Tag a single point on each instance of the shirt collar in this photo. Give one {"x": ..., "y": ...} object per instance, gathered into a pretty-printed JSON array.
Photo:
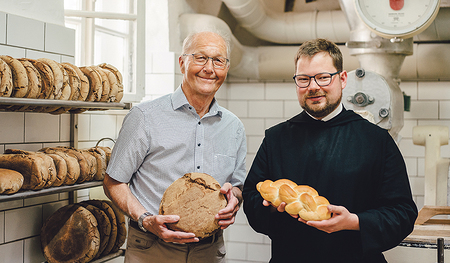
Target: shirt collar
[
  {"x": 179, "y": 100},
  {"x": 331, "y": 115}
]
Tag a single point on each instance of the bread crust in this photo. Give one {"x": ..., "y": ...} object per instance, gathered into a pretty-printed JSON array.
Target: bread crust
[
  {"x": 6, "y": 83},
  {"x": 196, "y": 198},
  {"x": 95, "y": 83},
  {"x": 119, "y": 78},
  {"x": 73, "y": 167},
  {"x": 19, "y": 76},
  {"x": 10, "y": 181},
  {"x": 32, "y": 167},
  {"x": 301, "y": 200},
  {"x": 70, "y": 235}
]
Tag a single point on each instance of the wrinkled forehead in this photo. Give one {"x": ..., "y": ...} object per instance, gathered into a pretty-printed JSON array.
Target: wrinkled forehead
[{"x": 207, "y": 42}]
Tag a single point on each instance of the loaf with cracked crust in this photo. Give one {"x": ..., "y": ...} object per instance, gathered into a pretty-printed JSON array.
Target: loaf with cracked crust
[{"x": 196, "y": 198}]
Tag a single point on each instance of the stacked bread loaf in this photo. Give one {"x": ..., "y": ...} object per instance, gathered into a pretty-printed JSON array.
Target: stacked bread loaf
[
  {"x": 82, "y": 232},
  {"x": 44, "y": 78},
  {"x": 56, "y": 166}
]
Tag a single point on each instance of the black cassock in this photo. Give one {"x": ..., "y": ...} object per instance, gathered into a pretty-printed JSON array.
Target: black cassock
[{"x": 351, "y": 162}]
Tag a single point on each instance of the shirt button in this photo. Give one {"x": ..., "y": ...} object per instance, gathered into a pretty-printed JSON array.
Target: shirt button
[
  {"x": 199, "y": 123},
  {"x": 198, "y": 167},
  {"x": 199, "y": 144}
]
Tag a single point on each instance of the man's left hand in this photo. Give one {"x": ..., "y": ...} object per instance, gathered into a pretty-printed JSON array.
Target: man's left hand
[
  {"x": 227, "y": 215},
  {"x": 342, "y": 219}
]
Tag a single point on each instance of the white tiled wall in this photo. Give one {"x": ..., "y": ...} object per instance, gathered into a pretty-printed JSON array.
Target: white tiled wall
[
  {"x": 21, "y": 220},
  {"x": 259, "y": 105}
]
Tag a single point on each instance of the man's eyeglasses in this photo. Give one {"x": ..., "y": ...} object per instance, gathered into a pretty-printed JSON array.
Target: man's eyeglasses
[
  {"x": 322, "y": 79},
  {"x": 200, "y": 59}
]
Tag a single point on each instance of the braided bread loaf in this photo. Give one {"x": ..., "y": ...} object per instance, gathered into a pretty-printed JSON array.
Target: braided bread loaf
[{"x": 300, "y": 200}]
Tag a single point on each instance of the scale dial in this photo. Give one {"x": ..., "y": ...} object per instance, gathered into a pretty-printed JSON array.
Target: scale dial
[{"x": 397, "y": 18}]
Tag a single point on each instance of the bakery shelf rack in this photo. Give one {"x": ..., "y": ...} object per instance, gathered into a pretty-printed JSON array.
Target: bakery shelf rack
[
  {"x": 63, "y": 103},
  {"x": 49, "y": 191}
]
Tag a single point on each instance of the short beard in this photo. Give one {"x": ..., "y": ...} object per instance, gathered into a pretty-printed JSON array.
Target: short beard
[{"x": 323, "y": 111}]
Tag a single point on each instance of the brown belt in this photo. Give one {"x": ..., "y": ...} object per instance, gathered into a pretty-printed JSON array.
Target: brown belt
[{"x": 208, "y": 240}]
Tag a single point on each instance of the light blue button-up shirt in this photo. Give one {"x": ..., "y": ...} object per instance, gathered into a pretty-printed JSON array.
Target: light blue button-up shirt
[{"x": 163, "y": 139}]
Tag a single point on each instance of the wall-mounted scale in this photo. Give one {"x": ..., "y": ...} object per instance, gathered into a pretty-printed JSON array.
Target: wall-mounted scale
[
  {"x": 381, "y": 34},
  {"x": 397, "y": 18}
]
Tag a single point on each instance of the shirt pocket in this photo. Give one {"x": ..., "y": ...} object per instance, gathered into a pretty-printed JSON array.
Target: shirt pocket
[{"x": 224, "y": 165}]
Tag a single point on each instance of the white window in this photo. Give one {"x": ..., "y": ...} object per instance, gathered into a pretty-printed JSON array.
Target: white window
[{"x": 113, "y": 32}]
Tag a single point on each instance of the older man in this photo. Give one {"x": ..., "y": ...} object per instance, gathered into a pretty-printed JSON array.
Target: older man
[{"x": 163, "y": 139}]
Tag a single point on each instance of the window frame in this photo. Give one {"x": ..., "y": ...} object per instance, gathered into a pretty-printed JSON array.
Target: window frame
[{"x": 137, "y": 46}]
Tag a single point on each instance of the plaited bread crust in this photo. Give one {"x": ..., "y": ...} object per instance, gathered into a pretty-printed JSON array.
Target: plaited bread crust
[{"x": 300, "y": 200}]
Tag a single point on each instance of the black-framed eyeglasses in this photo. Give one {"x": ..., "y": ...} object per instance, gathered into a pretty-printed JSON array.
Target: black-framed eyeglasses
[
  {"x": 201, "y": 59},
  {"x": 322, "y": 79}
]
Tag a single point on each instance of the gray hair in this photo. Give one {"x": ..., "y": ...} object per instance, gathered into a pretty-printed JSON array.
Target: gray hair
[{"x": 187, "y": 43}]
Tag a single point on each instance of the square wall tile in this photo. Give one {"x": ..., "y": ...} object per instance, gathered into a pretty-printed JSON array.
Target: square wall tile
[
  {"x": 2, "y": 28},
  {"x": 246, "y": 91},
  {"x": 32, "y": 250},
  {"x": 33, "y": 147},
  {"x": 423, "y": 110},
  {"x": 236, "y": 250},
  {"x": 239, "y": 108},
  {"x": 265, "y": 109},
  {"x": 244, "y": 233},
  {"x": 12, "y": 127},
  {"x": 64, "y": 132},
  {"x": 12, "y": 252},
  {"x": 84, "y": 122},
  {"x": 33, "y": 54},
  {"x": 23, "y": 222},
  {"x": 50, "y": 208},
  {"x": 102, "y": 126},
  {"x": 253, "y": 126},
  {"x": 59, "y": 39},
  {"x": 41, "y": 127},
  {"x": 439, "y": 90},
  {"x": 68, "y": 59},
  {"x": 25, "y": 32},
  {"x": 258, "y": 252},
  {"x": 2, "y": 227},
  {"x": 12, "y": 51},
  {"x": 11, "y": 204},
  {"x": 281, "y": 91}
]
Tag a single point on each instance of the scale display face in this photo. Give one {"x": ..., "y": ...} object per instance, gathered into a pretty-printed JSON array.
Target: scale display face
[{"x": 397, "y": 18}]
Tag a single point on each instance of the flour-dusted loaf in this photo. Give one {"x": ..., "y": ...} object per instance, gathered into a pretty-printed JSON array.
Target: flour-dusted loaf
[
  {"x": 10, "y": 181},
  {"x": 196, "y": 198}
]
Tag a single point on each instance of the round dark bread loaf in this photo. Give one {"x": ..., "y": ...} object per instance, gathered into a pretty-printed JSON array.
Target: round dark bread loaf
[
  {"x": 70, "y": 235},
  {"x": 196, "y": 198}
]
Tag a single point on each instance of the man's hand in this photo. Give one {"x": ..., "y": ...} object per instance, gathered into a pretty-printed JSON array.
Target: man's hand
[
  {"x": 157, "y": 225},
  {"x": 227, "y": 215},
  {"x": 341, "y": 219}
]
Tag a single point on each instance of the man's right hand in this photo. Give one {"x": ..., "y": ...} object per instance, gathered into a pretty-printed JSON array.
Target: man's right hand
[{"x": 157, "y": 225}]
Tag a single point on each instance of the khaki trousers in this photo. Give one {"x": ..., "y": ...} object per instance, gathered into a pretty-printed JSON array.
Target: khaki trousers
[{"x": 146, "y": 247}]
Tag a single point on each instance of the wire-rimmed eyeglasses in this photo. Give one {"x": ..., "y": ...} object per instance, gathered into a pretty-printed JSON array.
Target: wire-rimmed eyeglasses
[
  {"x": 201, "y": 59},
  {"x": 322, "y": 79}
]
